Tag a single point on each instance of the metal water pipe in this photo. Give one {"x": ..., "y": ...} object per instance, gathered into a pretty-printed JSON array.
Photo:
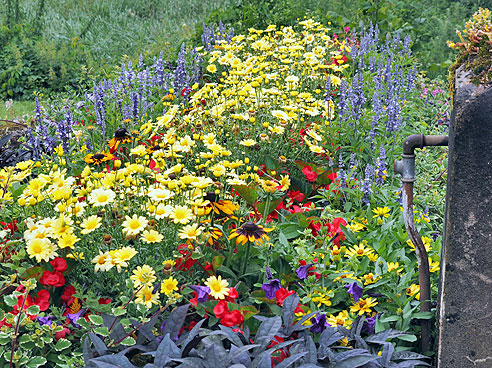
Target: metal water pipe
[{"x": 406, "y": 167}]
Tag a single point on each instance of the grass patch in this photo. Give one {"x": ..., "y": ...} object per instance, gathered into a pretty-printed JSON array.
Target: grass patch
[{"x": 19, "y": 110}]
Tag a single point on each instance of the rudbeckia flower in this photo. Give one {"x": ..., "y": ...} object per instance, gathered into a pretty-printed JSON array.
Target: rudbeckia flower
[
  {"x": 120, "y": 136},
  {"x": 250, "y": 232},
  {"x": 98, "y": 158}
]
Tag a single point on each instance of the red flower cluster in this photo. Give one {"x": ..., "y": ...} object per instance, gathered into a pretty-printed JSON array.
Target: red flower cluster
[
  {"x": 333, "y": 229},
  {"x": 310, "y": 174},
  {"x": 227, "y": 317},
  {"x": 55, "y": 278}
]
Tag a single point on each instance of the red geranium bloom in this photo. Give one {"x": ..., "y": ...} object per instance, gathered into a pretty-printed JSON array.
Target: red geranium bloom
[
  {"x": 233, "y": 294},
  {"x": 61, "y": 334}
]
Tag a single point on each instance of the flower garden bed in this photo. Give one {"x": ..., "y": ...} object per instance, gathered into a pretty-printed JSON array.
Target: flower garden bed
[{"x": 234, "y": 208}]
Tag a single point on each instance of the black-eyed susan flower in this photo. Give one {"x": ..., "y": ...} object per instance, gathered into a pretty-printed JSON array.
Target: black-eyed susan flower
[
  {"x": 98, "y": 158},
  {"x": 120, "y": 136},
  {"x": 251, "y": 232}
]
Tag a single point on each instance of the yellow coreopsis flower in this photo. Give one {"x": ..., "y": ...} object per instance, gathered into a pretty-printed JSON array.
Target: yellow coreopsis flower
[{"x": 363, "y": 306}]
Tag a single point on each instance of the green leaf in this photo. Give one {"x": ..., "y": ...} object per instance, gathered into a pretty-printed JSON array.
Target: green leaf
[
  {"x": 36, "y": 361},
  {"x": 118, "y": 311},
  {"x": 128, "y": 341},
  {"x": 248, "y": 311},
  {"x": 264, "y": 210},
  {"x": 33, "y": 272},
  {"x": 290, "y": 231},
  {"x": 5, "y": 339},
  {"x": 62, "y": 344},
  {"x": 217, "y": 262},
  {"x": 409, "y": 338},
  {"x": 283, "y": 239},
  {"x": 103, "y": 331},
  {"x": 423, "y": 315},
  {"x": 249, "y": 194},
  {"x": 10, "y": 300},
  {"x": 95, "y": 319},
  {"x": 271, "y": 163},
  {"x": 33, "y": 309}
]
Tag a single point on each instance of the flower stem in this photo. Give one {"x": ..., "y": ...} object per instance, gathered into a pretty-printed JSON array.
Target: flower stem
[{"x": 246, "y": 259}]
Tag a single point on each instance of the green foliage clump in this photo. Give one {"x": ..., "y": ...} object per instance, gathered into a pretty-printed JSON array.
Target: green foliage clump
[{"x": 30, "y": 63}]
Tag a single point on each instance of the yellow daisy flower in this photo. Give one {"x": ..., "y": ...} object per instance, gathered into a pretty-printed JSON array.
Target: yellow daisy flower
[
  {"x": 218, "y": 287},
  {"x": 144, "y": 275},
  {"x": 90, "y": 224},
  {"x": 169, "y": 285}
]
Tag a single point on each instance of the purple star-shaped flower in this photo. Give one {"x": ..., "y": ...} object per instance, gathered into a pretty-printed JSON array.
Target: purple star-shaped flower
[
  {"x": 202, "y": 292},
  {"x": 319, "y": 323},
  {"x": 73, "y": 318},
  {"x": 302, "y": 271},
  {"x": 355, "y": 290},
  {"x": 271, "y": 288},
  {"x": 45, "y": 320}
]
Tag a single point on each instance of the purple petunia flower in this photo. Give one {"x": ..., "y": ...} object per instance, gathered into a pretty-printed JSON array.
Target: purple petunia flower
[
  {"x": 268, "y": 273},
  {"x": 355, "y": 290},
  {"x": 302, "y": 271},
  {"x": 202, "y": 291},
  {"x": 271, "y": 288},
  {"x": 73, "y": 318},
  {"x": 45, "y": 320},
  {"x": 370, "y": 324},
  {"x": 319, "y": 323}
]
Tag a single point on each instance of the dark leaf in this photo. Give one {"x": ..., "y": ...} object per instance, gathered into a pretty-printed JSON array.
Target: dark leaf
[
  {"x": 192, "y": 335},
  {"x": 288, "y": 307},
  {"x": 216, "y": 356},
  {"x": 312, "y": 356},
  {"x": 355, "y": 361},
  {"x": 175, "y": 321},
  {"x": 113, "y": 361},
  {"x": 240, "y": 355},
  {"x": 401, "y": 355},
  {"x": 267, "y": 331},
  {"x": 387, "y": 353},
  {"x": 99, "y": 345},
  {"x": 329, "y": 336},
  {"x": 410, "y": 364},
  {"x": 166, "y": 350},
  {"x": 379, "y": 338},
  {"x": 117, "y": 331},
  {"x": 290, "y": 360}
]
